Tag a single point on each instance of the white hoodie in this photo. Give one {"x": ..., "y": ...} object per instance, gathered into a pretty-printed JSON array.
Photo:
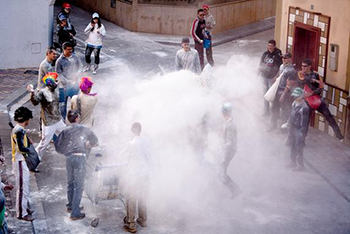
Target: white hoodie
[{"x": 95, "y": 36}]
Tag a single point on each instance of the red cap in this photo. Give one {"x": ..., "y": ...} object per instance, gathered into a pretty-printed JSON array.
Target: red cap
[
  {"x": 205, "y": 6},
  {"x": 66, "y": 5}
]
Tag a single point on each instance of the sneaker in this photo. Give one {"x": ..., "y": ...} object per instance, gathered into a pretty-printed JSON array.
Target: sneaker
[
  {"x": 142, "y": 224},
  {"x": 27, "y": 218},
  {"x": 81, "y": 216},
  {"x": 94, "y": 70},
  {"x": 128, "y": 229},
  {"x": 87, "y": 68},
  {"x": 340, "y": 137},
  {"x": 69, "y": 209}
]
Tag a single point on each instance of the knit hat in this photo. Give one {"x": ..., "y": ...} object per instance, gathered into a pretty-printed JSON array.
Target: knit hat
[
  {"x": 226, "y": 108},
  {"x": 95, "y": 15},
  {"x": 297, "y": 92},
  {"x": 50, "y": 78}
]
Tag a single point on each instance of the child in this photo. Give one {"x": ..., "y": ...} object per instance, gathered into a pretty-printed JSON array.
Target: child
[
  {"x": 20, "y": 148},
  {"x": 298, "y": 122}
]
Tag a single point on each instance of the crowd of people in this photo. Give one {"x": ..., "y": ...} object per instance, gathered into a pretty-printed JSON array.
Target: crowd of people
[
  {"x": 296, "y": 95},
  {"x": 282, "y": 82}
]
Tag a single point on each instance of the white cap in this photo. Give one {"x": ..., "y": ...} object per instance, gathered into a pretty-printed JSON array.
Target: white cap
[
  {"x": 95, "y": 15},
  {"x": 226, "y": 108}
]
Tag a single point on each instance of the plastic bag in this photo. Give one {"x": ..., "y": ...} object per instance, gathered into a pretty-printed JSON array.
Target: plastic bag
[{"x": 271, "y": 93}]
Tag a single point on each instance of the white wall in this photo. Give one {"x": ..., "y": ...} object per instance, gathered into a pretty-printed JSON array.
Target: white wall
[{"x": 26, "y": 29}]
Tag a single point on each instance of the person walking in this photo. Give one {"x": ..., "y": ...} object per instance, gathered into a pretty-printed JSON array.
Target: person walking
[
  {"x": 75, "y": 142},
  {"x": 68, "y": 67},
  {"x": 209, "y": 26},
  {"x": 20, "y": 148},
  {"x": 283, "y": 100},
  {"x": 312, "y": 84},
  {"x": 136, "y": 156},
  {"x": 52, "y": 122},
  {"x": 270, "y": 62},
  {"x": 198, "y": 34},
  {"x": 298, "y": 123},
  {"x": 85, "y": 102},
  {"x": 187, "y": 59},
  {"x": 96, "y": 30},
  {"x": 228, "y": 148}
]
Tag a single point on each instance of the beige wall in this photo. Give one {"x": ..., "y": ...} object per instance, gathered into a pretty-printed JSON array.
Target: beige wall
[
  {"x": 339, "y": 31},
  {"x": 177, "y": 20}
]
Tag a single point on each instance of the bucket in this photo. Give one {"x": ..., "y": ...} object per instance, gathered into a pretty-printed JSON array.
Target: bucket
[{"x": 206, "y": 43}]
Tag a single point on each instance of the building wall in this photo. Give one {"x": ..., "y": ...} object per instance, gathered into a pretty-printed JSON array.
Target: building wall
[
  {"x": 177, "y": 19},
  {"x": 26, "y": 32},
  {"x": 335, "y": 29},
  {"x": 338, "y": 34}
]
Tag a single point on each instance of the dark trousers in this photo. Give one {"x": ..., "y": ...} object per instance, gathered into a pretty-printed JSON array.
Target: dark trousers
[
  {"x": 199, "y": 47},
  {"x": 75, "y": 166},
  {"x": 209, "y": 53},
  {"x": 297, "y": 145},
  {"x": 65, "y": 93},
  {"x": 285, "y": 107},
  {"x": 323, "y": 109},
  {"x": 88, "y": 53}
]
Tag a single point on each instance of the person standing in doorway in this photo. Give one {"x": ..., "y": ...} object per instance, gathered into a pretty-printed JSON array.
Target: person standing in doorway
[
  {"x": 96, "y": 31},
  {"x": 209, "y": 26},
  {"x": 270, "y": 63},
  {"x": 198, "y": 34}
]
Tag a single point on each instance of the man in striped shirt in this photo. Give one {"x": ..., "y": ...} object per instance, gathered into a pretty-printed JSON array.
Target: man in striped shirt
[{"x": 198, "y": 34}]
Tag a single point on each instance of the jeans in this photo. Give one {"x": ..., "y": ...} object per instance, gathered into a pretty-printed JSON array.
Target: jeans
[
  {"x": 323, "y": 109},
  {"x": 75, "y": 166},
  {"x": 285, "y": 107},
  {"x": 209, "y": 53},
  {"x": 3, "y": 224},
  {"x": 267, "y": 85},
  {"x": 69, "y": 91},
  {"x": 88, "y": 52},
  {"x": 297, "y": 145}
]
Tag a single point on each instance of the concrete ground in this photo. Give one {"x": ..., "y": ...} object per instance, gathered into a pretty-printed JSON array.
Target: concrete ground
[{"x": 273, "y": 199}]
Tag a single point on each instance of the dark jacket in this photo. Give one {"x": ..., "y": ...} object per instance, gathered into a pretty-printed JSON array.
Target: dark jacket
[
  {"x": 307, "y": 79},
  {"x": 270, "y": 63},
  {"x": 73, "y": 139}
]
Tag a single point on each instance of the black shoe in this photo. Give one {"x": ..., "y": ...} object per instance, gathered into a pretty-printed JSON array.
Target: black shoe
[
  {"x": 128, "y": 229},
  {"x": 27, "y": 218},
  {"x": 81, "y": 216},
  {"x": 35, "y": 171},
  {"x": 340, "y": 137},
  {"x": 69, "y": 209}
]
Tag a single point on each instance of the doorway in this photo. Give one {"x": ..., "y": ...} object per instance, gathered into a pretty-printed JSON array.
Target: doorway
[{"x": 306, "y": 44}]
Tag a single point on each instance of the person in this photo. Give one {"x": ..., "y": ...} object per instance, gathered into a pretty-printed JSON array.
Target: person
[
  {"x": 228, "y": 148},
  {"x": 85, "y": 102},
  {"x": 298, "y": 123},
  {"x": 209, "y": 26},
  {"x": 46, "y": 66},
  {"x": 65, "y": 11},
  {"x": 198, "y": 34},
  {"x": 52, "y": 122},
  {"x": 65, "y": 33},
  {"x": 20, "y": 148},
  {"x": 3, "y": 223},
  {"x": 283, "y": 99},
  {"x": 96, "y": 31},
  {"x": 75, "y": 142},
  {"x": 187, "y": 59},
  {"x": 68, "y": 67},
  {"x": 269, "y": 65},
  {"x": 311, "y": 82},
  {"x": 136, "y": 156}
]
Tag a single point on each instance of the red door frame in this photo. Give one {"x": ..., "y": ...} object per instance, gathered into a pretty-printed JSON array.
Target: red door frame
[{"x": 318, "y": 34}]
